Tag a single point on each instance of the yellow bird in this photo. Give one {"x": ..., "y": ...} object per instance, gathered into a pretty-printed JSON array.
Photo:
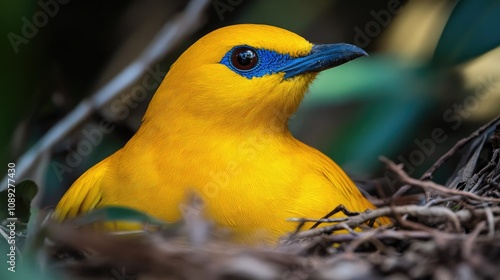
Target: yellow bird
[{"x": 217, "y": 126}]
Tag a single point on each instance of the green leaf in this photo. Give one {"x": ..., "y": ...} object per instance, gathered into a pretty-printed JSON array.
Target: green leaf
[
  {"x": 14, "y": 220},
  {"x": 116, "y": 214},
  {"x": 471, "y": 30},
  {"x": 27, "y": 266},
  {"x": 366, "y": 78},
  {"x": 388, "y": 97},
  {"x": 27, "y": 270},
  {"x": 23, "y": 193},
  {"x": 382, "y": 128}
]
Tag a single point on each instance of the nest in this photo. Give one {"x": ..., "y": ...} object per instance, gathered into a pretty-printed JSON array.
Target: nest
[{"x": 450, "y": 233}]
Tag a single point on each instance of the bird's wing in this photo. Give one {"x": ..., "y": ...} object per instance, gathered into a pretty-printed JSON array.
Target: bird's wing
[
  {"x": 345, "y": 190},
  {"x": 354, "y": 200},
  {"x": 84, "y": 195},
  {"x": 344, "y": 187}
]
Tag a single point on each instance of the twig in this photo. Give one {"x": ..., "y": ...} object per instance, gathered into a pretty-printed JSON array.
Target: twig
[
  {"x": 467, "y": 215},
  {"x": 400, "y": 191},
  {"x": 437, "y": 201},
  {"x": 367, "y": 237},
  {"x": 322, "y": 220},
  {"x": 387, "y": 234},
  {"x": 490, "y": 165},
  {"x": 428, "y": 174},
  {"x": 166, "y": 39},
  {"x": 303, "y": 221},
  {"x": 404, "y": 223},
  {"x": 491, "y": 221},
  {"x": 469, "y": 242},
  {"x": 414, "y": 210},
  {"x": 429, "y": 185},
  {"x": 340, "y": 208}
]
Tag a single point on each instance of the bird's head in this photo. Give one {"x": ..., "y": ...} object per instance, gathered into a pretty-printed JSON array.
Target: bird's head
[{"x": 246, "y": 73}]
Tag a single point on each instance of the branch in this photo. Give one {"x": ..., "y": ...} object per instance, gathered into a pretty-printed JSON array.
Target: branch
[
  {"x": 164, "y": 42},
  {"x": 428, "y": 174},
  {"x": 387, "y": 234},
  {"x": 455, "y": 218},
  {"x": 429, "y": 185}
]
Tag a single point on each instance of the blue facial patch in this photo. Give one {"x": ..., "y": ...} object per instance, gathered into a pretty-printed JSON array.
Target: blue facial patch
[{"x": 269, "y": 62}]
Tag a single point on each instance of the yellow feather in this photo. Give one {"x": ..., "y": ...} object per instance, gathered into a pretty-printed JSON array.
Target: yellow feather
[{"x": 225, "y": 137}]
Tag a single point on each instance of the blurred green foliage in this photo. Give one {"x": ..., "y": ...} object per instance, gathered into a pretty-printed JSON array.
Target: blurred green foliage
[
  {"x": 372, "y": 106},
  {"x": 24, "y": 193},
  {"x": 397, "y": 97},
  {"x": 16, "y": 73},
  {"x": 116, "y": 214},
  {"x": 16, "y": 204},
  {"x": 463, "y": 38}
]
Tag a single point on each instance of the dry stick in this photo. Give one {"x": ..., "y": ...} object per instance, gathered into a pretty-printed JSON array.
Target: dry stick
[
  {"x": 421, "y": 227},
  {"x": 494, "y": 165},
  {"x": 469, "y": 242},
  {"x": 429, "y": 185},
  {"x": 467, "y": 215},
  {"x": 462, "y": 216},
  {"x": 496, "y": 169},
  {"x": 437, "y": 201},
  {"x": 356, "y": 221},
  {"x": 479, "y": 176},
  {"x": 368, "y": 237},
  {"x": 165, "y": 40},
  {"x": 428, "y": 174},
  {"x": 340, "y": 208},
  {"x": 405, "y": 223},
  {"x": 477, "y": 258},
  {"x": 475, "y": 182},
  {"x": 386, "y": 234},
  {"x": 401, "y": 191},
  {"x": 490, "y": 220}
]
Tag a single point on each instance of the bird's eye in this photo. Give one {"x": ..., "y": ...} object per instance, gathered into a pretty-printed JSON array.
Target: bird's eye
[{"x": 244, "y": 58}]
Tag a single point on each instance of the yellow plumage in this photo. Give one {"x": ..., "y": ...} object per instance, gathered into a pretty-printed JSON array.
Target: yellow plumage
[{"x": 210, "y": 130}]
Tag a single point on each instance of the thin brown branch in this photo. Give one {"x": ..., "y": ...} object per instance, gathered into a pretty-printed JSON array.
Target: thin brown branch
[
  {"x": 428, "y": 174},
  {"x": 387, "y": 234},
  {"x": 431, "y": 186},
  {"x": 413, "y": 210}
]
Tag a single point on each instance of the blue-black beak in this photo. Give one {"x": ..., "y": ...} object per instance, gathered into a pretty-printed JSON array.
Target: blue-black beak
[{"x": 320, "y": 58}]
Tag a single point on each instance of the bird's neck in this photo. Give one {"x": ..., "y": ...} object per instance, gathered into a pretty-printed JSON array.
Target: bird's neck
[
  {"x": 171, "y": 116},
  {"x": 180, "y": 126}
]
